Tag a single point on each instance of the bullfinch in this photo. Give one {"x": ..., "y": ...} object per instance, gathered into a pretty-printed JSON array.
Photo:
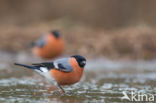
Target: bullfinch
[
  {"x": 49, "y": 46},
  {"x": 63, "y": 71}
]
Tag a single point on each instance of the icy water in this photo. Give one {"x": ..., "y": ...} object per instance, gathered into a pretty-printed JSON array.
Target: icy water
[{"x": 104, "y": 81}]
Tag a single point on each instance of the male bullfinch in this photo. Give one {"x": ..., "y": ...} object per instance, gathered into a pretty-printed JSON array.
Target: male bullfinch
[
  {"x": 49, "y": 46},
  {"x": 64, "y": 71}
]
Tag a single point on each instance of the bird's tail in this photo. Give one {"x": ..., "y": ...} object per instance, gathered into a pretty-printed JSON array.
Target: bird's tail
[
  {"x": 27, "y": 66},
  {"x": 30, "y": 45}
]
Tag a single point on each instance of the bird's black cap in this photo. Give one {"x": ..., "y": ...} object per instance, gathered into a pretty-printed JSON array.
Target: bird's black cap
[
  {"x": 55, "y": 33},
  {"x": 80, "y": 59}
]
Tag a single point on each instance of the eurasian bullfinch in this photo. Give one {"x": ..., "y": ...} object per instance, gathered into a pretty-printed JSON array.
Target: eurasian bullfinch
[
  {"x": 64, "y": 71},
  {"x": 49, "y": 46}
]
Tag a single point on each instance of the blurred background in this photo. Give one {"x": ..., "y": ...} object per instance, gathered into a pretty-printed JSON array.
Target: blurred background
[{"x": 116, "y": 29}]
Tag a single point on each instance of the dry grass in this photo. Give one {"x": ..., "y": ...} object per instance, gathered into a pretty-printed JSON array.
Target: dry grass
[{"x": 131, "y": 42}]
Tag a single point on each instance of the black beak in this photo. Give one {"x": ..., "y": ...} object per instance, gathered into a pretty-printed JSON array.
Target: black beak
[{"x": 83, "y": 63}]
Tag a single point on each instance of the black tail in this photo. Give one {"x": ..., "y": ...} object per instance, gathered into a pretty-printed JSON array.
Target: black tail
[{"x": 27, "y": 66}]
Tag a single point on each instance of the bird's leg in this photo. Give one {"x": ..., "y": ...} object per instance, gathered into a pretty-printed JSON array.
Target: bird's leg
[
  {"x": 52, "y": 88},
  {"x": 61, "y": 88}
]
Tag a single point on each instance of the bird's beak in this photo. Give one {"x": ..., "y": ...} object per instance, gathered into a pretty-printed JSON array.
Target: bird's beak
[{"x": 83, "y": 63}]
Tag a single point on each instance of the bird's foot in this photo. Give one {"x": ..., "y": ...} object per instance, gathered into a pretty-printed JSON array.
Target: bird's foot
[{"x": 52, "y": 88}]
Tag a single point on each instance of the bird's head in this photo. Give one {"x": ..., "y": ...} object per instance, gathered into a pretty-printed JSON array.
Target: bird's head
[
  {"x": 81, "y": 60},
  {"x": 55, "y": 33}
]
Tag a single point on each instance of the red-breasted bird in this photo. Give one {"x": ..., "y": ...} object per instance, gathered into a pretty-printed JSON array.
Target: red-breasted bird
[
  {"x": 64, "y": 71},
  {"x": 49, "y": 46}
]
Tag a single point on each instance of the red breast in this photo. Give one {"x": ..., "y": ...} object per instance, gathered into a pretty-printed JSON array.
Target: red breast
[
  {"x": 64, "y": 78},
  {"x": 53, "y": 48}
]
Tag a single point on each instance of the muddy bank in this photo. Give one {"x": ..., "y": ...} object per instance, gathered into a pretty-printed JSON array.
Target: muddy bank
[{"x": 124, "y": 43}]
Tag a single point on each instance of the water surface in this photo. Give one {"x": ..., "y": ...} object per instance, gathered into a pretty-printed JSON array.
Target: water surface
[{"x": 104, "y": 81}]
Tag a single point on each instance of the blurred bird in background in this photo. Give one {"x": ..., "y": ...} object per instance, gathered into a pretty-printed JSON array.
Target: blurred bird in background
[
  {"x": 49, "y": 46},
  {"x": 64, "y": 71}
]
